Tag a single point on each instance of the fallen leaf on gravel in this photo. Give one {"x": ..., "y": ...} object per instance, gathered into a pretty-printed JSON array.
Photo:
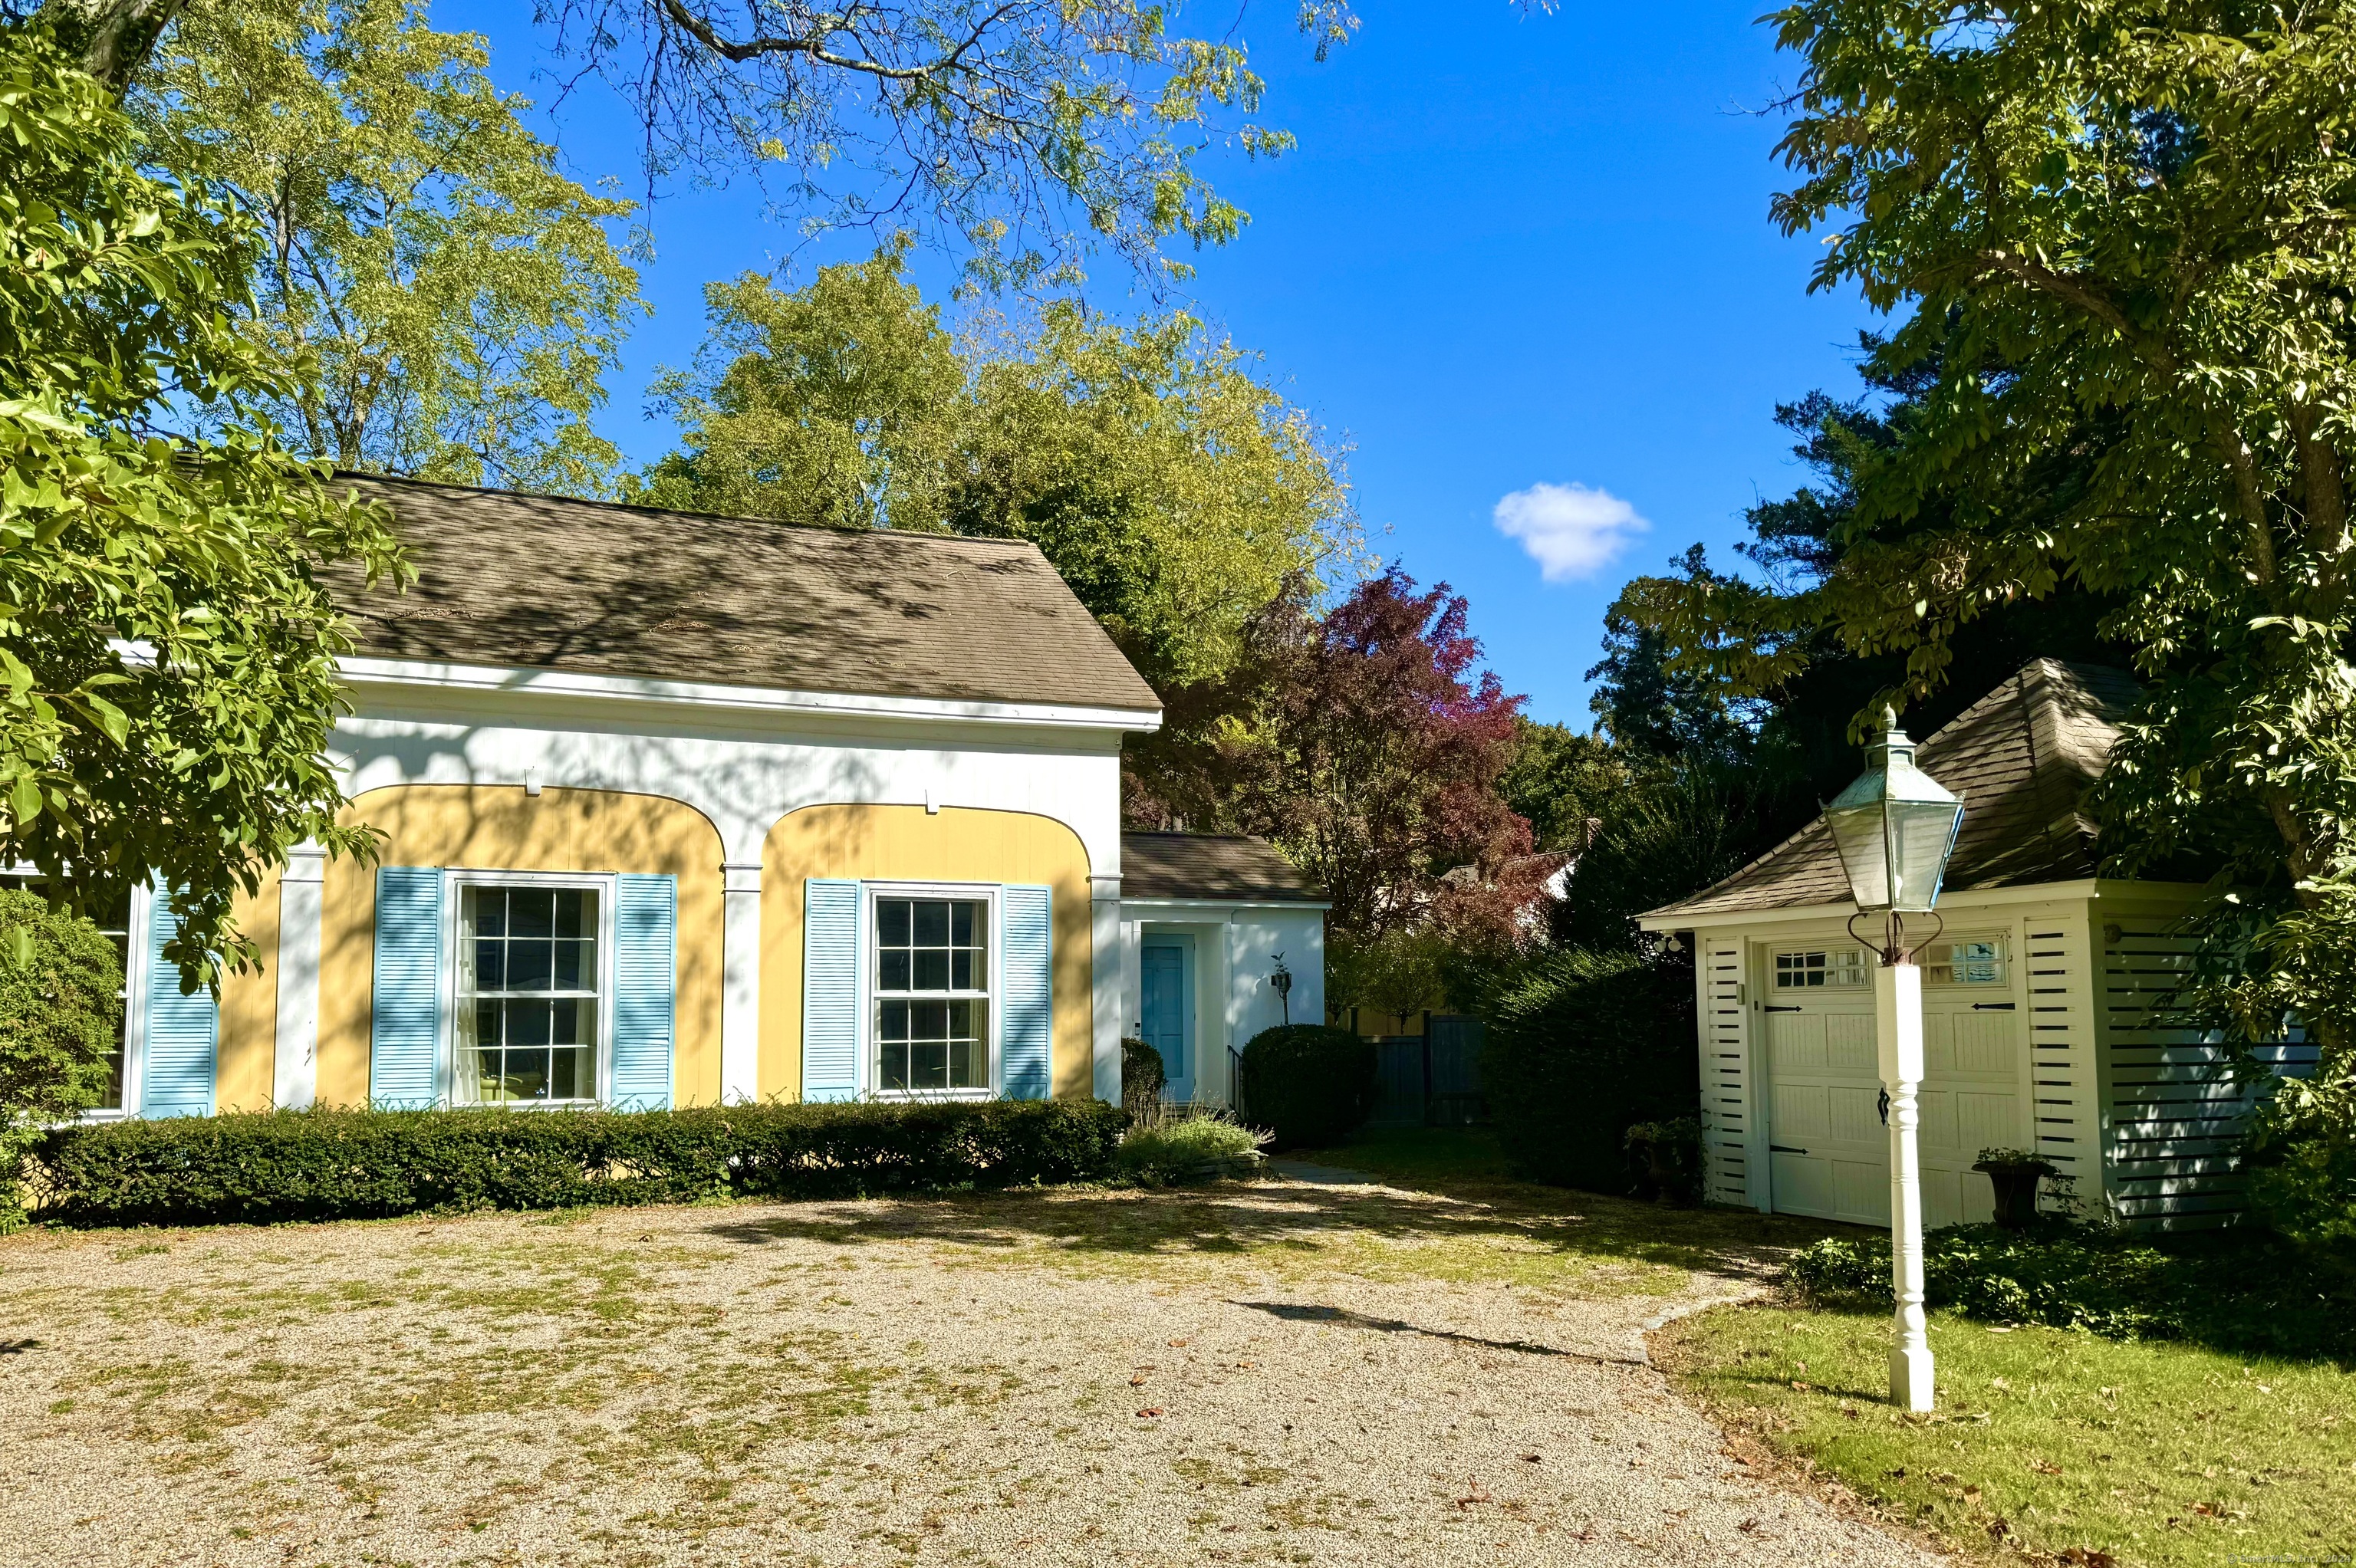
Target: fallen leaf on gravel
[
  {"x": 1749, "y": 1527},
  {"x": 1138, "y": 1381},
  {"x": 1177, "y": 1344},
  {"x": 1245, "y": 1366},
  {"x": 1151, "y": 1410},
  {"x": 1477, "y": 1494},
  {"x": 1530, "y": 1458}
]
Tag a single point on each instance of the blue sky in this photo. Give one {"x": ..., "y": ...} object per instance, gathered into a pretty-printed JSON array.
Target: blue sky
[{"x": 1514, "y": 255}]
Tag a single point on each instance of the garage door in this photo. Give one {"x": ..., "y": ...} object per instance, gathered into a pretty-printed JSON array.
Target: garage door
[{"x": 1828, "y": 1146}]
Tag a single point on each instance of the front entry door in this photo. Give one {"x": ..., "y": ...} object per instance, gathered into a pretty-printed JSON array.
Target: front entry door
[{"x": 1168, "y": 1016}]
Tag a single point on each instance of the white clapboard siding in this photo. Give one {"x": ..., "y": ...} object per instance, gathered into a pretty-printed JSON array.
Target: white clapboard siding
[
  {"x": 2065, "y": 1087},
  {"x": 2174, "y": 1115},
  {"x": 1726, "y": 1116}
]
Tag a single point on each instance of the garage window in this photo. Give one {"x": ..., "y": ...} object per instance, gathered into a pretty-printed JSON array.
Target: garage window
[
  {"x": 1820, "y": 968},
  {"x": 1966, "y": 961}
]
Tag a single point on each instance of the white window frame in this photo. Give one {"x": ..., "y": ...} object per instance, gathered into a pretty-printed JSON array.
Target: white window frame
[
  {"x": 454, "y": 881},
  {"x": 1829, "y": 949},
  {"x": 134, "y": 996},
  {"x": 2001, "y": 940},
  {"x": 871, "y": 1041}
]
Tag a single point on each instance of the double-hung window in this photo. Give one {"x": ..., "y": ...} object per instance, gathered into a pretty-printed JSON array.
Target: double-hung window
[
  {"x": 932, "y": 994},
  {"x": 115, "y": 924},
  {"x": 530, "y": 1003}
]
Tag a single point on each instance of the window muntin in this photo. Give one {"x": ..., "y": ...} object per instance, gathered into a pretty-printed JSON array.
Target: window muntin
[
  {"x": 1820, "y": 968},
  {"x": 529, "y": 993},
  {"x": 1966, "y": 961},
  {"x": 114, "y": 925},
  {"x": 932, "y": 994}
]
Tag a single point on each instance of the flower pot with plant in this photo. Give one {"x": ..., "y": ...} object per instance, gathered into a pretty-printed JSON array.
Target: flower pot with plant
[{"x": 2015, "y": 1175}]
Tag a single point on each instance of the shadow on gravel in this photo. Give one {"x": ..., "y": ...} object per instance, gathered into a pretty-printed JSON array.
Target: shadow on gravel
[
  {"x": 1259, "y": 1216},
  {"x": 1298, "y": 1312}
]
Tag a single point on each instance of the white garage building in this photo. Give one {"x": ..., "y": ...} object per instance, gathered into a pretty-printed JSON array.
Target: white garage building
[{"x": 2038, "y": 998}]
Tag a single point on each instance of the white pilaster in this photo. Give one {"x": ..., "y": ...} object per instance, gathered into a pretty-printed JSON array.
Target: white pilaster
[
  {"x": 294, "y": 1076},
  {"x": 740, "y": 982},
  {"x": 1898, "y": 1018},
  {"x": 1105, "y": 984}
]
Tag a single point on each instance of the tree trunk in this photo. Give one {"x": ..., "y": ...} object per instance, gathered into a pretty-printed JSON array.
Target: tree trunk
[{"x": 115, "y": 37}]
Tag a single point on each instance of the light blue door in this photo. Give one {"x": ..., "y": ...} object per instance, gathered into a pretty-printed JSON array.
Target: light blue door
[{"x": 1169, "y": 1019}]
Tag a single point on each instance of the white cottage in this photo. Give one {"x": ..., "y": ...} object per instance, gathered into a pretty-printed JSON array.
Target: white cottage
[{"x": 2038, "y": 998}]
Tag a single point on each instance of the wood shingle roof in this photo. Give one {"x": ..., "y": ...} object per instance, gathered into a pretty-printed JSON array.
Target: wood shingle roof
[
  {"x": 1210, "y": 866},
  {"x": 548, "y": 582},
  {"x": 2022, "y": 757}
]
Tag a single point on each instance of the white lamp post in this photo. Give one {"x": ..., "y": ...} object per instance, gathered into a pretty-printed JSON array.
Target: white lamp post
[{"x": 1894, "y": 829}]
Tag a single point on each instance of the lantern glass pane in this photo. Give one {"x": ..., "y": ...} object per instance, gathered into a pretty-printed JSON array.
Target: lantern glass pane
[
  {"x": 1857, "y": 834},
  {"x": 1921, "y": 834}
]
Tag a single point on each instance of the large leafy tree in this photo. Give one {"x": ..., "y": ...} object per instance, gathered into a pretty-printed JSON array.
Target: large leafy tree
[
  {"x": 1372, "y": 754},
  {"x": 1027, "y": 133},
  {"x": 1176, "y": 492},
  {"x": 460, "y": 300},
  {"x": 2118, "y": 230},
  {"x": 167, "y": 659}
]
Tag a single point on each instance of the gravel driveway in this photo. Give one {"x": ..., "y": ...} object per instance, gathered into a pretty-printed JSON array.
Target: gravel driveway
[{"x": 1279, "y": 1371}]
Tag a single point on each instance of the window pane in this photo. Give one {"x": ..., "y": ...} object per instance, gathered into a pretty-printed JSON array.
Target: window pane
[
  {"x": 896, "y": 1020},
  {"x": 932, "y": 969},
  {"x": 967, "y": 1065},
  {"x": 531, "y": 911},
  {"x": 490, "y": 910},
  {"x": 572, "y": 912},
  {"x": 895, "y": 1065},
  {"x": 893, "y": 975},
  {"x": 530, "y": 965},
  {"x": 490, "y": 966},
  {"x": 892, "y": 922},
  {"x": 961, "y": 924},
  {"x": 575, "y": 967},
  {"x": 932, "y": 923}
]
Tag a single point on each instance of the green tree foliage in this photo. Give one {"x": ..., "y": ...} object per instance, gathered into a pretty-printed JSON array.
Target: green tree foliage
[
  {"x": 1561, "y": 781},
  {"x": 60, "y": 1019},
  {"x": 2116, "y": 229},
  {"x": 1175, "y": 492},
  {"x": 460, "y": 300},
  {"x": 166, "y": 661}
]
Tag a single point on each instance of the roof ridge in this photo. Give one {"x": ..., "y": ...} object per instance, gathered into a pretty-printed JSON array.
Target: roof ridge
[{"x": 901, "y": 535}]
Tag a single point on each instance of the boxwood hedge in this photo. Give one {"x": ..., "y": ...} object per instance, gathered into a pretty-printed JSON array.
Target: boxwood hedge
[{"x": 341, "y": 1165}]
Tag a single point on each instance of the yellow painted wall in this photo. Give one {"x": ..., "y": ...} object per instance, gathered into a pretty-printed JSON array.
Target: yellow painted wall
[
  {"x": 500, "y": 828},
  {"x": 906, "y": 843},
  {"x": 249, "y": 1010}
]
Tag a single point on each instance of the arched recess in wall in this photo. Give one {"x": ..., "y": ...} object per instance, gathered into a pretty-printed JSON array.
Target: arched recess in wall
[
  {"x": 908, "y": 843},
  {"x": 501, "y": 827}
]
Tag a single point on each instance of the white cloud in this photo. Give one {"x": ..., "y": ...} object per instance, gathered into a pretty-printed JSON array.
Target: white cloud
[{"x": 1569, "y": 530}]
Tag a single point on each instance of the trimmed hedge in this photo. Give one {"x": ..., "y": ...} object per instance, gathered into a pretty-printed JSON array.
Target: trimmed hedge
[
  {"x": 347, "y": 1164},
  {"x": 1308, "y": 1084},
  {"x": 1582, "y": 1047}
]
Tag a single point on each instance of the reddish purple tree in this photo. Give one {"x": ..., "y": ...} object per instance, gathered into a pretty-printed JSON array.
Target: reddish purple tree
[{"x": 1371, "y": 753}]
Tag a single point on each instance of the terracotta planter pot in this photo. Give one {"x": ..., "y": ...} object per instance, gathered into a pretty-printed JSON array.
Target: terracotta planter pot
[{"x": 2016, "y": 1185}]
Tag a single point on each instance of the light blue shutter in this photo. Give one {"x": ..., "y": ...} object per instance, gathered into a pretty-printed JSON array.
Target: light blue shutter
[
  {"x": 646, "y": 921},
  {"x": 1025, "y": 990},
  {"x": 831, "y": 911},
  {"x": 405, "y": 1014},
  {"x": 175, "y": 1077}
]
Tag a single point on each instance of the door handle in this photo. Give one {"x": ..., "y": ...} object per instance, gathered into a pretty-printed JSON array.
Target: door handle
[
  {"x": 1785, "y": 1148},
  {"x": 1883, "y": 1106},
  {"x": 1991, "y": 1007}
]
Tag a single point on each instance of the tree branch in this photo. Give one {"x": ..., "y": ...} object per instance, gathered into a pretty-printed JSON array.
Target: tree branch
[{"x": 812, "y": 44}]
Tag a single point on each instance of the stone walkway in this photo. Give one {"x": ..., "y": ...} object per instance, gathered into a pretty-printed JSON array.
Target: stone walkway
[{"x": 1287, "y": 1371}]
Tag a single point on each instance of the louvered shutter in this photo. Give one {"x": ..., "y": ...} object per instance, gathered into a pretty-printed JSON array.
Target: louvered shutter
[
  {"x": 646, "y": 920},
  {"x": 1025, "y": 992},
  {"x": 183, "y": 1032},
  {"x": 405, "y": 1013},
  {"x": 831, "y": 913}
]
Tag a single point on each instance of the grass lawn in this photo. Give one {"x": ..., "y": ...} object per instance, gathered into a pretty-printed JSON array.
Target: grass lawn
[{"x": 2046, "y": 1439}]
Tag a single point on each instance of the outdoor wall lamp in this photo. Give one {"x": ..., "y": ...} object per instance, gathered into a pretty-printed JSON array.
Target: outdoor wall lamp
[
  {"x": 1894, "y": 829},
  {"x": 1281, "y": 981}
]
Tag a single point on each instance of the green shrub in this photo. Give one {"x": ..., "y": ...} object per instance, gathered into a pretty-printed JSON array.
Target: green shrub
[
  {"x": 1308, "y": 1084},
  {"x": 61, "y": 1021},
  {"x": 2242, "y": 1291},
  {"x": 2300, "y": 1162},
  {"x": 1191, "y": 1148},
  {"x": 1581, "y": 1047},
  {"x": 341, "y": 1165},
  {"x": 1142, "y": 1076},
  {"x": 1664, "y": 1159}
]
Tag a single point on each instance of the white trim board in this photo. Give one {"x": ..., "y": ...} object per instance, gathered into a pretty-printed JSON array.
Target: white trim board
[{"x": 522, "y": 680}]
